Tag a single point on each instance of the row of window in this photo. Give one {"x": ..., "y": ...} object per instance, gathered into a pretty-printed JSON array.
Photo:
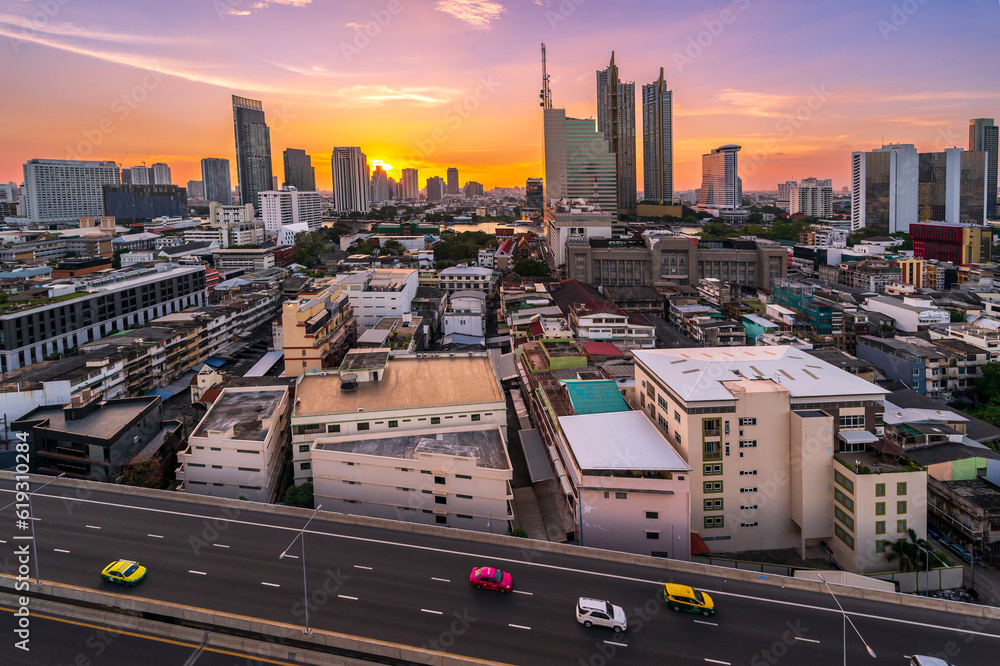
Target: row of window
[{"x": 333, "y": 428}]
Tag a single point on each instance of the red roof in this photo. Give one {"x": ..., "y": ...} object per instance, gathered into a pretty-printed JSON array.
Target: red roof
[
  {"x": 698, "y": 545},
  {"x": 507, "y": 247},
  {"x": 536, "y": 328},
  {"x": 596, "y": 348}
]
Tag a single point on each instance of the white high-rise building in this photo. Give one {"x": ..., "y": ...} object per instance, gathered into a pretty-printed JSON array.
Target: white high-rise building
[
  {"x": 161, "y": 174},
  {"x": 884, "y": 188},
  {"x": 289, "y": 206},
  {"x": 350, "y": 180},
  {"x": 65, "y": 190},
  {"x": 196, "y": 189},
  {"x": 811, "y": 197},
  {"x": 410, "y": 185},
  {"x": 141, "y": 175},
  {"x": 784, "y": 190},
  {"x": 721, "y": 186}
]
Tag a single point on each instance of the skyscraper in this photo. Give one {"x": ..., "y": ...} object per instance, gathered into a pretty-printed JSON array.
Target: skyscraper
[
  {"x": 884, "y": 188},
  {"x": 350, "y": 180},
  {"x": 299, "y": 171},
  {"x": 289, "y": 206},
  {"x": 784, "y": 193},
  {"x": 379, "y": 185},
  {"x": 721, "y": 185},
  {"x": 578, "y": 164},
  {"x": 616, "y": 120},
  {"x": 657, "y": 142},
  {"x": 811, "y": 197},
  {"x": 196, "y": 189},
  {"x": 410, "y": 184},
  {"x": 453, "y": 187},
  {"x": 253, "y": 150},
  {"x": 435, "y": 188},
  {"x": 65, "y": 190},
  {"x": 534, "y": 194},
  {"x": 161, "y": 174},
  {"x": 215, "y": 176},
  {"x": 951, "y": 186},
  {"x": 983, "y": 135},
  {"x": 141, "y": 175}
]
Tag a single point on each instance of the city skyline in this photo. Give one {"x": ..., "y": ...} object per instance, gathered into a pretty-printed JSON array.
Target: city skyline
[{"x": 140, "y": 93}]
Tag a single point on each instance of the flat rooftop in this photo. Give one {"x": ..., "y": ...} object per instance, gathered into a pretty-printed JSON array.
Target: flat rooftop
[
  {"x": 486, "y": 446},
  {"x": 364, "y": 360},
  {"x": 243, "y": 411},
  {"x": 407, "y": 383},
  {"x": 619, "y": 441},
  {"x": 103, "y": 423}
]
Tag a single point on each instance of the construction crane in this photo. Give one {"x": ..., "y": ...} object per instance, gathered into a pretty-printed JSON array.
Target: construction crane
[{"x": 546, "y": 93}]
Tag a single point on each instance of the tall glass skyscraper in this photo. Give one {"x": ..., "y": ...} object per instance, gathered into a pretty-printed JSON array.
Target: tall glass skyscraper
[
  {"x": 616, "y": 120},
  {"x": 299, "y": 171},
  {"x": 350, "y": 180},
  {"x": 216, "y": 179},
  {"x": 721, "y": 186},
  {"x": 578, "y": 164},
  {"x": 657, "y": 142},
  {"x": 410, "y": 185},
  {"x": 983, "y": 135},
  {"x": 253, "y": 150}
]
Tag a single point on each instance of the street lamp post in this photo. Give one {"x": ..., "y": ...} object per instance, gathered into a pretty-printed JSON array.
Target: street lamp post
[
  {"x": 843, "y": 613},
  {"x": 31, "y": 519},
  {"x": 301, "y": 537}
]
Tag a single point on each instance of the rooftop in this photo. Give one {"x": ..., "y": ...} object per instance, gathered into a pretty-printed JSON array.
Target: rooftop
[
  {"x": 407, "y": 383},
  {"x": 595, "y": 397},
  {"x": 486, "y": 446},
  {"x": 697, "y": 374},
  {"x": 623, "y": 441},
  {"x": 105, "y": 422},
  {"x": 244, "y": 412}
]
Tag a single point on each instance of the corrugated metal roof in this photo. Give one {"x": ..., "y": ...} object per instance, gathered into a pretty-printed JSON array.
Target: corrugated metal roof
[{"x": 595, "y": 396}]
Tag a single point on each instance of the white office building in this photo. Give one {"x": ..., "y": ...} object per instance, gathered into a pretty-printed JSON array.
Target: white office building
[
  {"x": 350, "y": 180},
  {"x": 161, "y": 174},
  {"x": 65, "y": 190},
  {"x": 379, "y": 293},
  {"x": 289, "y": 206},
  {"x": 811, "y": 197}
]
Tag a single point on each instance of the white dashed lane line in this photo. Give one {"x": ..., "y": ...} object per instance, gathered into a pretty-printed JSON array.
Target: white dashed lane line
[
  {"x": 270, "y": 584},
  {"x": 155, "y": 536},
  {"x": 618, "y": 644},
  {"x": 432, "y": 612},
  {"x": 807, "y": 640},
  {"x": 714, "y": 624},
  {"x": 220, "y": 545},
  {"x": 519, "y": 626},
  {"x": 60, "y": 550},
  {"x": 197, "y": 573},
  {"x": 440, "y": 580},
  {"x": 344, "y": 596},
  {"x": 358, "y": 566},
  {"x": 93, "y": 527},
  {"x": 530, "y": 594}
]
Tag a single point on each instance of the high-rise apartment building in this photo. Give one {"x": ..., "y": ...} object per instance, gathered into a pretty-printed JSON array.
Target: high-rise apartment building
[
  {"x": 196, "y": 189},
  {"x": 435, "y": 188},
  {"x": 473, "y": 189},
  {"x": 161, "y": 174},
  {"x": 216, "y": 180},
  {"x": 379, "y": 185},
  {"x": 140, "y": 175},
  {"x": 811, "y": 197},
  {"x": 657, "y": 142},
  {"x": 65, "y": 190},
  {"x": 350, "y": 180},
  {"x": 784, "y": 193},
  {"x": 299, "y": 171},
  {"x": 578, "y": 164},
  {"x": 534, "y": 191},
  {"x": 410, "y": 185},
  {"x": 721, "y": 185},
  {"x": 616, "y": 120},
  {"x": 452, "y": 183},
  {"x": 289, "y": 206},
  {"x": 253, "y": 150},
  {"x": 983, "y": 135}
]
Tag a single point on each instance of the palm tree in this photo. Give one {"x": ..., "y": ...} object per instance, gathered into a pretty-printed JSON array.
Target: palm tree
[{"x": 909, "y": 552}]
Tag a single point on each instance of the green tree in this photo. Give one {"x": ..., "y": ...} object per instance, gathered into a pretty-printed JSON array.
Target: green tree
[
  {"x": 910, "y": 553},
  {"x": 531, "y": 268},
  {"x": 301, "y": 496},
  {"x": 957, "y": 317},
  {"x": 143, "y": 473},
  {"x": 308, "y": 246},
  {"x": 116, "y": 258},
  {"x": 394, "y": 246}
]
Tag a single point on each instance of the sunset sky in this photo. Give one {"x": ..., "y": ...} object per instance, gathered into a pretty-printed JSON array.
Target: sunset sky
[{"x": 432, "y": 84}]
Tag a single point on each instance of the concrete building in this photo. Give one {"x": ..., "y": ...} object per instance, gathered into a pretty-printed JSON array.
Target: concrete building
[
  {"x": 593, "y": 317},
  {"x": 616, "y": 121},
  {"x": 721, "y": 185},
  {"x": 578, "y": 164},
  {"x": 289, "y": 206},
  {"x": 909, "y": 314},
  {"x": 811, "y": 197},
  {"x": 577, "y": 220},
  {"x": 131, "y": 204},
  {"x": 238, "y": 447},
  {"x": 253, "y": 150},
  {"x": 435, "y": 188},
  {"x": 65, "y": 190},
  {"x": 216, "y": 177},
  {"x": 465, "y": 278},
  {"x": 884, "y": 188},
  {"x": 451, "y": 186},
  {"x": 350, "y": 180},
  {"x": 464, "y": 320},
  {"x": 410, "y": 185},
  {"x": 318, "y": 328},
  {"x": 943, "y": 370},
  {"x": 787, "y": 480},
  {"x": 299, "y": 171},
  {"x": 161, "y": 174},
  {"x": 961, "y": 244},
  {"x": 137, "y": 175},
  {"x": 373, "y": 445},
  {"x": 952, "y": 186},
  {"x": 658, "y": 142},
  {"x": 379, "y": 186},
  {"x": 378, "y": 293},
  {"x": 248, "y": 259},
  {"x": 983, "y": 137},
  {"x": 196, "y": 189},
  {"x": 785, "y": 193}
]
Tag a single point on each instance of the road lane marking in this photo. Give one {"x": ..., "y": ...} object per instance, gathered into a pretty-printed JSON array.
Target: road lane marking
[
  {"x": 519, "y": 626},
  {"x": 530, "y": 594},
  {"x": 432, "y": 612},
  {"x": 197, "y": 573},
  {"x": 93, "y": 527},
  {"x": 358, "y": 566},
  {"x": 807, "y": 640},
  {"x": 714, "y": 624},
  {"x": 344, "y": 596},
  {"x": 440, "y": 580},
  {"x": 220, "y": 545},
  {"x": 269, "y": 584},
  {"x": 155, "y": 536},
  {"x": 618, "y": 644},
  {"x": 716, "y": 661},
  {"x": 554, "y": 567},
  {"x": 60, "y": 550}
]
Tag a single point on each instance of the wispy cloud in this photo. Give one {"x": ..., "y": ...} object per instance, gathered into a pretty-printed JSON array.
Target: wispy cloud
[
  {"x": 477, "y": 13},
  {"x": 379, "y": 94},
  {"x": 20, "y": 27},
  {"x": 238, "y": 10}
]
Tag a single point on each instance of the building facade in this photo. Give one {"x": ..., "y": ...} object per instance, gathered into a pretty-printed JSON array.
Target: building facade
[
  {"x": 350, "y": 180},
  {"x": 616, "y": 121},
  {"x": 65, "y": 190},
  {"x": 721, "y": 185},
  {"x": 451, "y": 184},
  {"x": 658, "y": 142},
  {"x": 410, "y": 185},
  {"x": 983, "y": 135},
  {"x": 961, "y": 244},
  {"x": 216, "y": 179},
  {"x": 317, "y": 329},
  {"x": 811, "y": 197},
  {"x": 289, "y": 206},
  {"x": 578, "y": 164},
  {"x": 299, "y": 171},
  {"x": 129, "y": 204},
  {"x": 253, "y": 150}
]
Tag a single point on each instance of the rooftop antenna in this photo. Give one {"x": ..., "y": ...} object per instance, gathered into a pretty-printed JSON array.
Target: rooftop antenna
[{"x": 546, "y": 93}]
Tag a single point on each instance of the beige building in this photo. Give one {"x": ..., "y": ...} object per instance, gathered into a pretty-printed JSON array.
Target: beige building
[
  {"x": 388, "y": 437},
  {"x": 762, "y": 429},
  {"x": 317, "y": 329},
  {"x": 238, "y": 447}
]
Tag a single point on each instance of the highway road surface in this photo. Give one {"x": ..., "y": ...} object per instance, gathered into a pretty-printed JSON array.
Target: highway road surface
[{"x": 414, "y": 590}]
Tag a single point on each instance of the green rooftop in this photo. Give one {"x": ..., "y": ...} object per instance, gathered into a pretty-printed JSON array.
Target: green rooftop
[{"x": 595, "y": 396}]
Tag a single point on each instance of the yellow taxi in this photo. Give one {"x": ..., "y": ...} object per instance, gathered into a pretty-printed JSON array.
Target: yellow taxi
[
  {"x": 684, "y": 598},
  {"x": 124, "y": 572}
]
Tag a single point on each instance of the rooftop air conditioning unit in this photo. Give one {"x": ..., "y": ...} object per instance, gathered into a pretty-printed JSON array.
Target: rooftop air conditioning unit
[
  {"x": 322, "y": 374},
  {"x": 361, "y": 409}
]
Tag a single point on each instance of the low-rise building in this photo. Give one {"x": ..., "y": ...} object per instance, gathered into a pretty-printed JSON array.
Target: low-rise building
[
  {"x": 317, "y": 328},
  {"x": 467, "y": 278},
  {"x": 944, "y": 370},
  {"x": 378, "y": 293},
  {"x": 465, "y": 319},
  {"x": 909, "y": 314}
]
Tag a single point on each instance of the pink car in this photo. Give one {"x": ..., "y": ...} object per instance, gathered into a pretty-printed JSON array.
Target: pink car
[{"x": 491, "y": 579}]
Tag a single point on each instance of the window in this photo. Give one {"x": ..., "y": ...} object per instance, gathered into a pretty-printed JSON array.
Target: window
[
  {"x": 900, "y": 507},
  {"x": 748, "y": 472},
  {"x": 621, "y": 495},
  {"x": 435, "y": 420},
  {"x": 440, "y": 499},
  {"x": 748, "y": 490},
  {"x": 852, "y": 422},
  {"x": 748, "y": 443},
  {"x": 677, "y": 436},
  {"x": 753, "y": 524},
  {"x": 305, "y": 466},
  {"x": 663, "y": 423},
  {"x": 713, "y": 505},
  {"x": 333, "y": 427},
  {"x": 246, "y": 469},
  {"x": 462, "y": 476},
  {"x": 880, "y": 527},
  {"x": 303, "y": 448},
  {"x": 439, "y": 480},
  {"x": 843, "y": 536},
  {"x": 713, "y": 487},
  {"x": 714, "y": 521},
  {"x": 880, "y": 546},
  {"x": 363, "y": 426},
  {"x": 845, "y": 500},
  {"x": 901, "y": 488},
  {"x": 475, "y": 417},
  {"x": 879, "y": 490},
  {"x": 879, "y": 508},
  {"x": 677, "y": 416},
  {"x": 844, "y": 518},
  {"x": 464, "y": 496},
  {"x": 900, "y": 525},
  {"x": 748, "y": 421},
  {"x": 393, "y": 424},
  {"x": 652, "y": 515},
  {"x": 710, "y": 470},
  {"x": 844, "y": 481},
  {"x": 441, "y": 520},
  {"x": 652, "y": 535},
  {"x": 748, "y": 507}
]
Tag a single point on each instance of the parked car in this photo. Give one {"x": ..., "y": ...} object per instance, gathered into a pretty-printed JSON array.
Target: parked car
[
  {"x": 491, "y": 579},
  {"x": 961, "y": 551},
  {"x": 934, "y": 533},
  {"x": 684, "y": 598},
  {"x": 590, "y": 612}
]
